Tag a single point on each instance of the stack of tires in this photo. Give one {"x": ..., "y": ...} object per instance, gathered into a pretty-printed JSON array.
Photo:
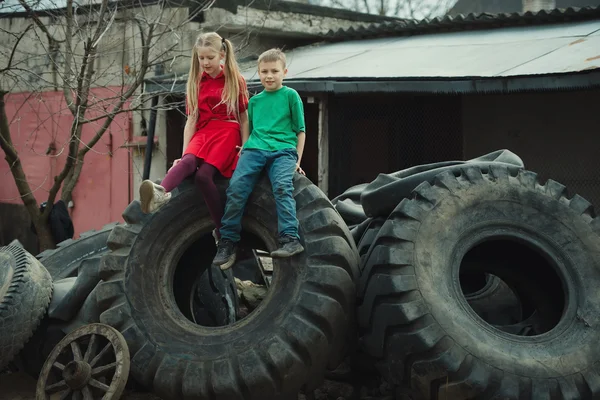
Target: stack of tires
[
  {"x": 25, "y": 292},
  {"x": 481, "y": 283},
  {"x": 297, "y": 332},
  {"x": 468, "y": 280}
]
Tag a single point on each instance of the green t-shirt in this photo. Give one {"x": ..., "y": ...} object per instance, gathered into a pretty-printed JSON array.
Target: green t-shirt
[{"x": 275, "y": 120}]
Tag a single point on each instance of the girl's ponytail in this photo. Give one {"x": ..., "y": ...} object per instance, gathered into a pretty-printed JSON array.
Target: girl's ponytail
[
  {"x": 234, "y": 84},
  {"x": 193, "y": 86}
]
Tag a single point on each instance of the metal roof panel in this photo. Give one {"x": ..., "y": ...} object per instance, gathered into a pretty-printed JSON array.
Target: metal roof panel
[{"x": 528, "y": 50}]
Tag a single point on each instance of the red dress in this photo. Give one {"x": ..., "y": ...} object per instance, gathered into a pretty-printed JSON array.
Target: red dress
[{"x": 217, "y": 131}]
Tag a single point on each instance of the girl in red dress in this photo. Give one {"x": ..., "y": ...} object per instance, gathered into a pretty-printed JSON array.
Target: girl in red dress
[{"x": 217, "y": 125}]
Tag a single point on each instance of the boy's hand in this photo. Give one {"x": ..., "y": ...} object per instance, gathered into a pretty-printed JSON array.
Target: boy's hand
[{"x": 300, "y": 170}]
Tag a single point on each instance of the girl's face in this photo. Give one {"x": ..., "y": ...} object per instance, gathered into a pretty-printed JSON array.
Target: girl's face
[{"x": 210, "y": 60}]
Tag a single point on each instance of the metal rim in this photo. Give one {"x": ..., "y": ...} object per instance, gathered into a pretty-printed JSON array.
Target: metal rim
[{"x": 88, "y": 375}]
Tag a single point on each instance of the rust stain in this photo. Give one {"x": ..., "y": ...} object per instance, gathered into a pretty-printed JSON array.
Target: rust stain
[
  {"x": 577, "y": 41},
  {"x": 593, "y": 58}
]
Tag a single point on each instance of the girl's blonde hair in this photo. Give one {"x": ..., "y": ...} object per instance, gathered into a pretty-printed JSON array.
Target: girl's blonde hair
[{"x": 234, "y": 84}]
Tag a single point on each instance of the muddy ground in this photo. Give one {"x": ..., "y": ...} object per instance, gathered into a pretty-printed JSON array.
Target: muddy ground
[{"x": 20, "y": 386}]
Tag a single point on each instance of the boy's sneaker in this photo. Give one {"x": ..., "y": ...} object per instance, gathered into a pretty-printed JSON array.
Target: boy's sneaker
[
  {"x": 289, "y": 246},
  {"x": 153, "y": 196},
  {"x": 225, "y": 254},
  {"x": 215, "y": 236}
]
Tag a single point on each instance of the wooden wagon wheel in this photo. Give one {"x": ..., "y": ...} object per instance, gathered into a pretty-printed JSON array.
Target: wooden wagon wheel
[{"x": 100, "y": 371}]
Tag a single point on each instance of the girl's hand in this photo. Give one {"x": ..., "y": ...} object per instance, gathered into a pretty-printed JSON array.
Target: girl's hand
[
  {"x": 300, "y": 170},
  {"x": 239, "y": 149},
  {"x": 174, "y": 163}
]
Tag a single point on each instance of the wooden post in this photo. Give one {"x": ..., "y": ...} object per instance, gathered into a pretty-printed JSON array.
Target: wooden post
[{"x": 323, "y": 168}]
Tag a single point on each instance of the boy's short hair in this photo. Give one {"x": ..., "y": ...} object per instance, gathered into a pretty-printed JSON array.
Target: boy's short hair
[{"x": 272, "y": 55}]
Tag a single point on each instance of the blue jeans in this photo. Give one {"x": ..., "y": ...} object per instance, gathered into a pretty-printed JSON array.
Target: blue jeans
[{"x": 280, "y": 166}]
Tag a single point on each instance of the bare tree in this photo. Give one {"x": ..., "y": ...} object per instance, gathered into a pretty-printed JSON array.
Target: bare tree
[
  {"x": 71, "y": 41},
  {"x": 413, "y": 9}
]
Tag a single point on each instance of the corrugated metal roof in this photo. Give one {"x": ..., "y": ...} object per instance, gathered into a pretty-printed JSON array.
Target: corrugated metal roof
[
  {"x": 465, "y": 22},
  {"x": 495, "y": 53}
]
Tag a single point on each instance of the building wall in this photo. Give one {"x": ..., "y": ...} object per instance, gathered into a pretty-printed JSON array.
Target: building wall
[
  {"x": 371, "y": 134},
  {"x": 556, "y": 134},
  {"x": 40, "y": 132},
  {"x": 43, "y": 68},
  {"x": 110, "y": 181}
]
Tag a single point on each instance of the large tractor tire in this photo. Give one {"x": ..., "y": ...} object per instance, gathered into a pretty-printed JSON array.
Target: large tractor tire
[
  {"x": 65, "y": 260},
  {"x": 489, "y": 296},
  {"x": 283, "y": 346},
  {"x": 539, "y": 240},
  {"x": 25, "y": 292}
]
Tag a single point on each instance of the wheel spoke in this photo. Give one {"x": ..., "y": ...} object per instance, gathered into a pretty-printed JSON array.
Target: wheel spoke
[
  {"x": 76, "y": 351},
  {"x": 98, "y": 385},
  {"x": 58, "y": 365},
  {"x": 91, "y": 348},
  {"x": 87, "y": 393},
  {"x": 56, "y": 387},
  {"x": 100, "y": 355},
  {"x": 65, "y": 394},
  {"x": 104, "y": 369}
]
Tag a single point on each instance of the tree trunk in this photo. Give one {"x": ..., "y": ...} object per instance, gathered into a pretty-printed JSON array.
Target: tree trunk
[
  {"x": 40, "y": 221},
  {"x": 44, "y": 234}
]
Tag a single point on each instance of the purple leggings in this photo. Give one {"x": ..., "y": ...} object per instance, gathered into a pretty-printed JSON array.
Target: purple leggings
[{"x": 204, "y": 179}]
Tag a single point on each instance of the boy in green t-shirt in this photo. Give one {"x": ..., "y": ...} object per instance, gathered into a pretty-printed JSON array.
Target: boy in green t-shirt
[{"x": 276, "y": 142}]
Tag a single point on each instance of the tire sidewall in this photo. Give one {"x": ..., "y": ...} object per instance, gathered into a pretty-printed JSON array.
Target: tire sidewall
[
  {"x": 164, "y": 237},
  {"x": 508, "y": 209}
]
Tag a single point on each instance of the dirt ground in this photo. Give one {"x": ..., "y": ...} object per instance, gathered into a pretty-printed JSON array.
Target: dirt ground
[{"x": 20, "y": 386}]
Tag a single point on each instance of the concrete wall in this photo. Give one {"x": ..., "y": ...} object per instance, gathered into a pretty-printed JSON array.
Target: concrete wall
[
  {"x": 556, "y": 134},
  {"x": 118, "y": 50}
]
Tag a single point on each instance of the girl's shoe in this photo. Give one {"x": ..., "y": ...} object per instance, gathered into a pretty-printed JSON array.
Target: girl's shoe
[{"x": 153, "y": 196}]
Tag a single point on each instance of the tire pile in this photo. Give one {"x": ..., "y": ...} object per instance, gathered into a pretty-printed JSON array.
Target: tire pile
[
  {"x": 458, "y": 280},
  {"x": 528, "y": 330}
]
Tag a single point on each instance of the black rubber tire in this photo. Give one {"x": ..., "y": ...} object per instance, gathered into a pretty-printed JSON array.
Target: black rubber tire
[
  {"x": 47, "y": 335},
  {"x": 214, "y": 300},
  {"x": 64, "y": 261},
  {"x": 417, "y": 323},
  {"x": 25, "y": 292},
  {"x": 495, "y": 302},
  {"x": 285, "y": 345},
  {"x": 364, "y": 244}
]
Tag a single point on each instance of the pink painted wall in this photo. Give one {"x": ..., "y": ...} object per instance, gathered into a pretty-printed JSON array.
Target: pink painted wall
[{"x": 104, "y": 187}]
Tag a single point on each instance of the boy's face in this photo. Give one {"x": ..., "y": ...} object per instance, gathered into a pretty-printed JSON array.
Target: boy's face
[{"x": 271, "y": 75}]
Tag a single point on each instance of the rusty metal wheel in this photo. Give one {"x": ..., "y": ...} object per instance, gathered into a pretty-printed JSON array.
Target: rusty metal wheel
[{"x": 90, "y": 363}]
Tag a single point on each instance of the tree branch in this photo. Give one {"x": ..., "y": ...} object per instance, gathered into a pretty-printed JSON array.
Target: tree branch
[
  {"x": 14, "y": 162},
  {"x": 67, "y": 75},
  {"x": 14, "y": 49}
]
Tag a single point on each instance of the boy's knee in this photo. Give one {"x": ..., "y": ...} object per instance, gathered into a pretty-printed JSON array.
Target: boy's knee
[{"x": 282, "y": 188}]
